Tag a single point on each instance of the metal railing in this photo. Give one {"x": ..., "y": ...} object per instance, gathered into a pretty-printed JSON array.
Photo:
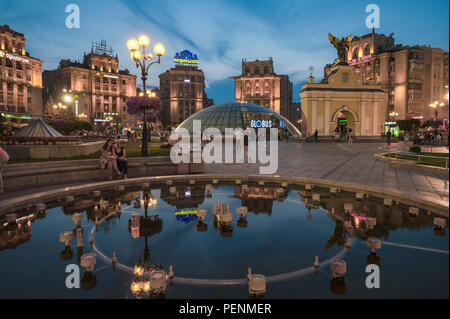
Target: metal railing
[{"x": 418, "y": 155}]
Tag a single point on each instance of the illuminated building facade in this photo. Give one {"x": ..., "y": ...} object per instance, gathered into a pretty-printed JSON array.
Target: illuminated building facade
[
  {"x": 182, "y": 92},
  {"x": 20, "y": 76},
  {"x": 99, "y": 89},
  {"x": 260, "y": 85},
  {"x": 412, "y": 77},
  {"x": 342, "y": 100}
]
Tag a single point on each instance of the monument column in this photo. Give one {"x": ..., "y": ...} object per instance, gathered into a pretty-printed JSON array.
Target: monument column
[
  {"x": 327, "y": 118},
  {"x": 313, "y": 116},
  {"x": 375, "y": 119},
  {"x": 363, "y": 118}
]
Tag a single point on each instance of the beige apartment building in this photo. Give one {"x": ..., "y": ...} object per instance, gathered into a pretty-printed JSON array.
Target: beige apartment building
[
  {"x": 260, "y": 85},
  {"x": 413, "y": 77},
  {"x": 182, "y": 92},
  {"x": 20, "y": 76},
  {"x": 99, "y": 90}
]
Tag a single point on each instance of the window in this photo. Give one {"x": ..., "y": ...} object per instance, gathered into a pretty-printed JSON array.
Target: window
[{"x": 84, "y": 76}]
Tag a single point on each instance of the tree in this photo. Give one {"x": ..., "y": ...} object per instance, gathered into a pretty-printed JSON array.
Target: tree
[
  {"x": 68, "y": 127},
  {"x": 2, "y": 125},
  {"x": 409, "y": 125},
  {"x": 164, "y": 117},
  {"x": 149, "y": 107}
]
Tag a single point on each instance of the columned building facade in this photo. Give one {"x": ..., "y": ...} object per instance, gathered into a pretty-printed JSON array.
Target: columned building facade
[
  {"x": 182, "y": 92},
  {"x": 99, "y": 89},
  {"x": 260, "y": 85},
  {"x": 20, "y": 76},
  {"x": 413, "y": 77},
  {"x": 342, "y": 99}
]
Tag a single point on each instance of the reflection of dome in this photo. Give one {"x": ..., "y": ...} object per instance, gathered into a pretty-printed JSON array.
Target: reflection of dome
[{"x": 238, "y": 115}]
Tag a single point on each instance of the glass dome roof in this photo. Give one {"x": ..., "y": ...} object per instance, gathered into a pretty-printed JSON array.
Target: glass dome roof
[{"x": 239, "y": 115}]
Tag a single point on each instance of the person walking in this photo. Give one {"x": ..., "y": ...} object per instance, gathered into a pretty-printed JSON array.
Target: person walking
[
  {"x": 316, "y": 136},
  {"x": 388, "y": 137},
  {"x": 350, "y": 136},
  {"x": 4, "y": 158}
]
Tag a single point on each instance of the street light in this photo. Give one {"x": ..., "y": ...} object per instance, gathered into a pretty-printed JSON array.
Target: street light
[{"x": 141, "y": 59}]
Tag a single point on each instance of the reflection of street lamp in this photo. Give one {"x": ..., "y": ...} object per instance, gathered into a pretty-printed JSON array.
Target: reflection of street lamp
[
  {"x": 393, "y": 115},
  {"x": 434, "y": 106},
  {"x": 140, "y": 59}
]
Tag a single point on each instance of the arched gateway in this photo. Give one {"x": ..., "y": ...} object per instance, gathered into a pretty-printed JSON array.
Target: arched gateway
[{"x": 342, "y": 100}]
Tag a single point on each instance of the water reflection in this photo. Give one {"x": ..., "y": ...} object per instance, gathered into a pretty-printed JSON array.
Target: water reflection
[{"x": 369, "y": 219}]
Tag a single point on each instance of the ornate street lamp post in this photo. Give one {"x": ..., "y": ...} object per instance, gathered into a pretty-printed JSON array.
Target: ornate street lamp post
[{"x": 141, "y": 59}]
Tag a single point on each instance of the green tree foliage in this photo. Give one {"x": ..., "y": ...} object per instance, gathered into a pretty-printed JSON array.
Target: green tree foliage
[{"x": 409, "y": 125}]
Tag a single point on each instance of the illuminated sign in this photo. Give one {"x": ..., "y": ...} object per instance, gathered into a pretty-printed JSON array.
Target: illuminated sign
[
  {"x": 24, "y": 218},
  {"x": 111, "y": 76},
  {"x": 186, "y": 212},
  {"x": 186, "y": 57},
  {"x": 13, "y": 57},
  {"x": 186, "y": 216},
  {"x": 360, "y": 59},
  {"x": 260, "y": 123},
  {"x": 76, "y": 108},
  {"x": 101, "y": 120},
  {"x": 21, "y": 117}
]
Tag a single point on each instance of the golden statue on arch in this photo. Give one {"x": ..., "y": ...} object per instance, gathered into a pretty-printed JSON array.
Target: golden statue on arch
[{"x": 341, "y": 45}]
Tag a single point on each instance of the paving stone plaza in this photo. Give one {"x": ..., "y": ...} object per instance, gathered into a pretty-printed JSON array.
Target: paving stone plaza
[{"x": 355, "y": 163}]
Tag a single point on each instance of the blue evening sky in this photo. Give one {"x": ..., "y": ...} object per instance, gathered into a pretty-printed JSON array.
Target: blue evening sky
[{"x": 293, "y": 32}]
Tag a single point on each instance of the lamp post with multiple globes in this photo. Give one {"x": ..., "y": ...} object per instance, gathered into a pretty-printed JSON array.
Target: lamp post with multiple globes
[{"x": 142, "y": 61}]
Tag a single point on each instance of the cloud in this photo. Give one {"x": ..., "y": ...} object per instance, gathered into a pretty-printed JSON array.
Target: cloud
[{"x": 221, "y": 33}]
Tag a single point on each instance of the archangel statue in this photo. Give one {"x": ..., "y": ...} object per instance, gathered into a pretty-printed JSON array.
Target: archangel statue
[{"x": 340, "y": 45}]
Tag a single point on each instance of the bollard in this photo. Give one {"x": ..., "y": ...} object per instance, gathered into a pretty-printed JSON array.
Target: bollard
[{"x": 316, "y": 262}]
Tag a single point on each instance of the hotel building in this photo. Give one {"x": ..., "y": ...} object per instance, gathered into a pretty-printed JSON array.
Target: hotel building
[
  {"x": 99, "y": 89},
  {"x": 412, "y": 77},
  {"x": 20, "y": 76},
  {"x": 182, "y": 92},
  {"x": 260, "y": 85}
]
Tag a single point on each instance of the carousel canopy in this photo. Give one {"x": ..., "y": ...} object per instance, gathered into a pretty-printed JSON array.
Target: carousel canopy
[{"x": 38, "y": 128}]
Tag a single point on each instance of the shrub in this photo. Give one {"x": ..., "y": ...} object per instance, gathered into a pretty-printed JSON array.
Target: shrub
[{"x": 415, "y": 149}]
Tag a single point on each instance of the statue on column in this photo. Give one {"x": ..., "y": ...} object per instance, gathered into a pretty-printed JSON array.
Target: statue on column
[{"x": 341, "y": 45}]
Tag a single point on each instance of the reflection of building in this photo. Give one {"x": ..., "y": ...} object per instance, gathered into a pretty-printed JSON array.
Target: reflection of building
[
  {"x": 20, "y": 76},
  {"x": 258, "y": 199},
  {"x": 15, "y": 235},
  {"x": 412, "y": 77},
  {"x": 260, "y": 85},
  {"x": 182, "y": 92},
  {"x": 184, "y": 197},
  {"x": 341, "y": 99},
  {"x": 99, "y": 89}
]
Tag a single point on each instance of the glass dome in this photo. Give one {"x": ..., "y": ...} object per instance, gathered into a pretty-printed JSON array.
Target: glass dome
[{"x": 239, "y": 115}]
